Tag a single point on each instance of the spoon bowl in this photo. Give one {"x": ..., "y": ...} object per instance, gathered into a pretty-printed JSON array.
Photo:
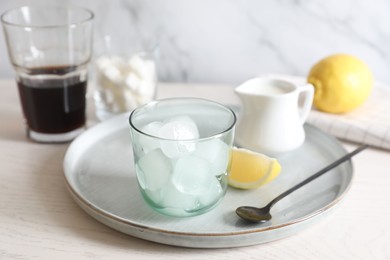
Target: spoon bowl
[
  {"x": 261, "y": 215},
  {"x": 254, "y": 214}
]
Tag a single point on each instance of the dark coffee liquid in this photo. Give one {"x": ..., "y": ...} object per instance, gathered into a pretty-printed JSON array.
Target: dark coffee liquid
[{"x": 53, "y": 104}]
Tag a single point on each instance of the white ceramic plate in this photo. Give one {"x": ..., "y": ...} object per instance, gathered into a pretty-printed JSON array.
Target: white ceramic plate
[{"x": 100, "y": 176}]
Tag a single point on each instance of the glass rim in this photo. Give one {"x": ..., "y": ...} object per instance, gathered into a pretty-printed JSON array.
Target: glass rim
[
  {"x": 219, "y": 133},
  {"x": 90, "y": 16}
]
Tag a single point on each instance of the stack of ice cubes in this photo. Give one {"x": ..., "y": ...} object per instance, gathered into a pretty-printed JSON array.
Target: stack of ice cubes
[{"x": 178, "y": 171}]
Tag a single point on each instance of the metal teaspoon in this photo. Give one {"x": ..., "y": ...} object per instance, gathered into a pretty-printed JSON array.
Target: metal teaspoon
[{"x": 254, "y": 214}]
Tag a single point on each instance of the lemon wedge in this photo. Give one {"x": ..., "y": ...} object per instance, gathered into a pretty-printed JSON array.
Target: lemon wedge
[{"x": 250, "y": 170}]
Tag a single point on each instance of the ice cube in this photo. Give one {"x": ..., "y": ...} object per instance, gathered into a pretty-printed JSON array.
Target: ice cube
[
  {"x": 176, "y": 149},
  {"x": 178, "y": 128},
  {"x": 155, "y": 169},
  {"x": 216, "y": 152},
  {"x": 212, "y": 194},
  {"x": 149, "y": 143},
  {"x": 171, "y": 197},
  {"x": 153, "y": 128},
  {"x": 192, "y": 175}
]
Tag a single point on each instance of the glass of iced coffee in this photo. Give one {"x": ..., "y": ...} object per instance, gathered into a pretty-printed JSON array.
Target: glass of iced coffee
[{"x": 50, "y": 48}]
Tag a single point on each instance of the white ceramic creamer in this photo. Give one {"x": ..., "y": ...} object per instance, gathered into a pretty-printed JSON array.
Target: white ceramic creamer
[{"x": 272, "y": 116}]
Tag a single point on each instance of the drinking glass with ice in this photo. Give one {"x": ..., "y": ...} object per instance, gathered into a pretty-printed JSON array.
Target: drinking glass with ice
[{"x": 181, "y": 150}]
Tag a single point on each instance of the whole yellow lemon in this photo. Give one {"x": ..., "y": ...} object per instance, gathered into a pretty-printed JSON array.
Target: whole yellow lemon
[{"x": 342, "y": 83}]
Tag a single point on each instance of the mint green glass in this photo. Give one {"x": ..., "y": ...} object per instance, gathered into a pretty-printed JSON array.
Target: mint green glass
[{"x": 182, "y": 153}]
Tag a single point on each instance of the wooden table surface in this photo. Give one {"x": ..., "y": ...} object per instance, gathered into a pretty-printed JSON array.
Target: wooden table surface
[{"x": 39, "y": 219}]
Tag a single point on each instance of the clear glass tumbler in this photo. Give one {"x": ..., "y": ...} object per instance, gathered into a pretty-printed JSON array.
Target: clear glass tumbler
[
  {"x": 182, "y": 153},
  {"x": 50, "y": 48}
]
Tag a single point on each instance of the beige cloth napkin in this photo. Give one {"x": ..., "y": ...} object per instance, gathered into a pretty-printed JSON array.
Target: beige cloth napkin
[{"x": 368, "y": 124}]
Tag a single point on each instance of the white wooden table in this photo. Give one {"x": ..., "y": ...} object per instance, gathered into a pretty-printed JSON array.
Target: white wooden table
[{"x": 38, "y": 218}]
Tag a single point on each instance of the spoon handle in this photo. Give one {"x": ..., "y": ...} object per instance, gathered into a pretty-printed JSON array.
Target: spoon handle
[{"x": 316, "y": 175}]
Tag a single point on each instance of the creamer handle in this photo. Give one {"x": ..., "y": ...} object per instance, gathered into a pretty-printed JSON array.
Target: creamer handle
[{"x": 308, "y": 91}]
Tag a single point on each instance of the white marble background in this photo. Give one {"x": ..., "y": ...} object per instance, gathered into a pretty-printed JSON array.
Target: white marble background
[{"x": 229, "y": 41}]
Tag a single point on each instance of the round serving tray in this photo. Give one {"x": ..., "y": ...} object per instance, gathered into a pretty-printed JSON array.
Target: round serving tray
[{"x": 99, "y": 173}]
